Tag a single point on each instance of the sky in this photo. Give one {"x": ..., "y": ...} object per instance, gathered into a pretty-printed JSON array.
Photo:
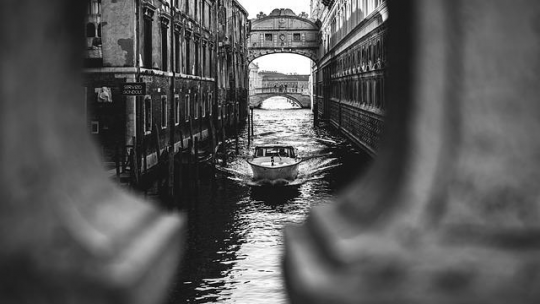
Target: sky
[{"x": 285, "y": 63}]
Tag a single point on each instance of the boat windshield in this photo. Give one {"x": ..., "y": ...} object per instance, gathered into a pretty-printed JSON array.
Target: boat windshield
[{"x": 274, "y": 151}]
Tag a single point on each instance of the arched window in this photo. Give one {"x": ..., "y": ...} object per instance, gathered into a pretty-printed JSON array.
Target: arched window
[
  {"x": 376, "y": 93},
  {"x": 99, "y": 30},
  {"x": 147, "y": 113},
  {"x": 364, "y": 56},
  {"x": 203, "y": 106},
  {"x": 378, "y": 52},
  {"x": 163, "y": 109},
  {"x": 90, "y": 30},
  {"x": 187, "y": 107}
]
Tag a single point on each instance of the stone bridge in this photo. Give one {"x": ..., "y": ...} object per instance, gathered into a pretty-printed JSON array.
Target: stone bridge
[
  {"x": 283, "y": 32},
  {"x": 298, "y": 96}
]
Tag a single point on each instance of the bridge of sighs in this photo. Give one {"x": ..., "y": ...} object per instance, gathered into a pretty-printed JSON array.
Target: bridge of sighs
[{"x": 283, "y": 32}]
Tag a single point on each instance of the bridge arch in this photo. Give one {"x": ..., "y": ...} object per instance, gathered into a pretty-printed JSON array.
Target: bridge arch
[
  {"x": 256, "y": 100},
  {"x": 283, "y": 32}
]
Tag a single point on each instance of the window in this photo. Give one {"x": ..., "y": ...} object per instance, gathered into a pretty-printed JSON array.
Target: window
[
  {"x": 196, "y": 105},
  {"x": 203, "y": 106},
  {"x": 90, "y": 30},
  {"x": 187, "y": 107},
  {"x": 147, "y": 114},
  {"x": 204, "y": 70},
  {"x": 210, "y": 63},
  {"x": 94, "y": 127},
  {"x": 177, "y": 52},
  {"x": 296, "y": 37},
  {"x": 210, "y": 104},
  {"x": 197, "y": 64},
  {"x": 268, "y": 37},
  {"x": 163, "y": 112},
  {"x": 187, "y": 55},
  {"x": 94, "y": 7},
  {"x": 147, "y": 60},
  {"x": 164, "y": 52},
  {"x": 203, "y": 14},
  {"x": 176, "y": 109}
]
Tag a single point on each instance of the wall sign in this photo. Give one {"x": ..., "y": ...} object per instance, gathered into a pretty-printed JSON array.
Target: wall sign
[{"x": 133, "y": 88}]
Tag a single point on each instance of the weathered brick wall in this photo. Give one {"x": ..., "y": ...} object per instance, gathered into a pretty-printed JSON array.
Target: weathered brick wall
[{"x": 118, "y": 33}]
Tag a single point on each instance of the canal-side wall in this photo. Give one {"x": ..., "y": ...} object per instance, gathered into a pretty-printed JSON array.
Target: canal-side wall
[
  {"x": 108, "y": 113},
  {"x": 349, "y": 79},
  {"x": 153, "y": 44}
]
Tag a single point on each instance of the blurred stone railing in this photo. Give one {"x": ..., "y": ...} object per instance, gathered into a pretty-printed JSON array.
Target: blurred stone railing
[
  {"x": 449, "y": 212},
  {"x": 67, "y": 234}
]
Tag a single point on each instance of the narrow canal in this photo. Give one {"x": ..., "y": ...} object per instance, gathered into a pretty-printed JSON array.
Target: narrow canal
[{"x": 235, "y": 240}]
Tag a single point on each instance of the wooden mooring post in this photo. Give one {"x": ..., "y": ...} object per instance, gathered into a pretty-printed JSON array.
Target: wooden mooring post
[
  {"x": 178, "y": 198},
  {"x": 196, "y": 164},
  {"x": 189, "y": 165},
  {"x": 249, "y": 130},
  {"x": 252, "y": 122},
  {"x": 171, "y": 177},
  {"x": 236, "y": 132}
]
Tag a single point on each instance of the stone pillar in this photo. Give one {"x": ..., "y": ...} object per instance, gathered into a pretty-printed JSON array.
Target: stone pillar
[
  {"x": 67, "y": 233},
  {"x": 449, "y": 212}
]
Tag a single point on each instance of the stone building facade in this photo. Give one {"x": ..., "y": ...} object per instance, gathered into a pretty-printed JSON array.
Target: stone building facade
[
  {"x": 191, "y": 56},
  {"x": 349, "y": 77},
  {"x": 298, "y": 83},
  {"x": 255, "y": 79}
]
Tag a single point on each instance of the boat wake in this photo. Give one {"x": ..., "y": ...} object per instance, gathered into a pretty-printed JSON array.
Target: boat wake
[{"x": 309, "y": 170}]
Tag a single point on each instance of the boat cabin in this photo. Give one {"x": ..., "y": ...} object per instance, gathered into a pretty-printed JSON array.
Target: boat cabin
[{"x": 280, "y": 151}]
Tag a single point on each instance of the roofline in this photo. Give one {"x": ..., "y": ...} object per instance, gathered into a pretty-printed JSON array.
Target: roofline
[
  {"x": 256, "y": 20},
  {"x": 241, "y": 7}
]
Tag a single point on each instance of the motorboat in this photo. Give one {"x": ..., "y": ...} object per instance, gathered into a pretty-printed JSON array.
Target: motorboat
[{"x": 274, "y": 163}]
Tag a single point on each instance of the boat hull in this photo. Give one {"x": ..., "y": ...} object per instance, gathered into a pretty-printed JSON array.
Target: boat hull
[{"x": 287, "y": 171}]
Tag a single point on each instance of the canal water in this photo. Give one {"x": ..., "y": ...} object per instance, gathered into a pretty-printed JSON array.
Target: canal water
[{"x": 235, "y": 240}]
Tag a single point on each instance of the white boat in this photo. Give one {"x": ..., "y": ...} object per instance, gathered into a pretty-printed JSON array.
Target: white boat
[{"x": 274, "y": 163}]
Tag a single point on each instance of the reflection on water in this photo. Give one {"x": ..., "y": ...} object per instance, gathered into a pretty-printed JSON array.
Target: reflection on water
[{"x": 235, "y": 238}]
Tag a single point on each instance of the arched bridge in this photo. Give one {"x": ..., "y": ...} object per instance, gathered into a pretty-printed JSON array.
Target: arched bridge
[
  {"x": 283, "y": 32},
  {"x": 298, "y": 96}
]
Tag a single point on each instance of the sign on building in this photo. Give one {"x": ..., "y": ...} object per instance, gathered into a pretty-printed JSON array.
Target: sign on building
[{"x": 133, "y": 88}]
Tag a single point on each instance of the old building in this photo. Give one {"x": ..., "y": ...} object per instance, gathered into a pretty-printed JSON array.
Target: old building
[
  {"x": 296, "y": 82},
  {"x": 255, "y": 79},
  {"x": 189, "y": 56},
  {"x": 349, "y": 77}
]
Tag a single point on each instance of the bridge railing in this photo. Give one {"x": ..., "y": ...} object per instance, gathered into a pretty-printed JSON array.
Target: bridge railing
[{"x": 266, "y": 90}]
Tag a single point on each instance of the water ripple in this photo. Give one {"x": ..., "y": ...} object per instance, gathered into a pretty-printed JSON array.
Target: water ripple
[{"x": 235, "y": 240}]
